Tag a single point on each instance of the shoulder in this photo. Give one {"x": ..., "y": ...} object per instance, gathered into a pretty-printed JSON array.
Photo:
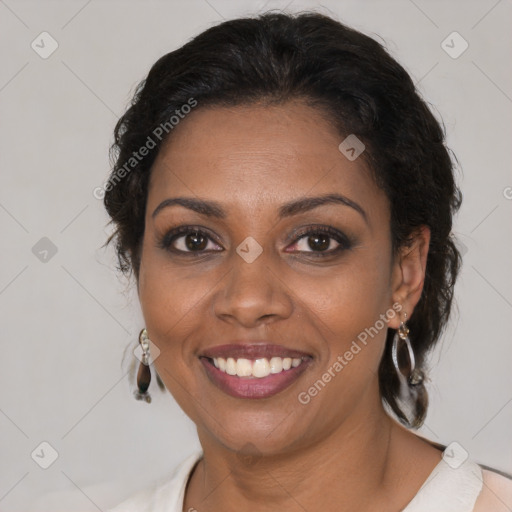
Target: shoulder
[
  {"x": 496, "y": 493},
  {"x": 164, "y": 495}
]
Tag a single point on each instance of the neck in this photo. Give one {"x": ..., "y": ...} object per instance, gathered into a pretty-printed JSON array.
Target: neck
[{"x": 348, "y": 469}]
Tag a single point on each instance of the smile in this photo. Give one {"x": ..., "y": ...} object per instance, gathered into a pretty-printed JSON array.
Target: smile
[{"x": 253, "y": 371}]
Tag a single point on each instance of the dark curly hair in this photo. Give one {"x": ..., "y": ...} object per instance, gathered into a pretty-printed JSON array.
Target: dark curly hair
[{"x": 356, "y": 84}]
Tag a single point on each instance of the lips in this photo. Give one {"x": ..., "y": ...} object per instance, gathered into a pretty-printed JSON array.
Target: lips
[{"x": 241, "y": 372}]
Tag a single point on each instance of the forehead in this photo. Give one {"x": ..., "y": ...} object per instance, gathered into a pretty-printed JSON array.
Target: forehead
[{"x": 258, "y": 155}]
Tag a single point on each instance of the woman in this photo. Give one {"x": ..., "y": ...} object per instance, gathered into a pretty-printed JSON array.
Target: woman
[{"x": 284, "y": 199}]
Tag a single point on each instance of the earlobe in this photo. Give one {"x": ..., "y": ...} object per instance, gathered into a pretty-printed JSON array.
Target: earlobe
[{"x": 409, "y": 273}]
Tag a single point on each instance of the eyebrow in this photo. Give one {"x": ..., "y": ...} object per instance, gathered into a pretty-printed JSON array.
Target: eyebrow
[{"x": 214, "y": 209}]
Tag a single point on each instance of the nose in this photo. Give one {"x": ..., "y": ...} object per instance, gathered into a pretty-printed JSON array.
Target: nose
[{"x": 252, "y": 294}]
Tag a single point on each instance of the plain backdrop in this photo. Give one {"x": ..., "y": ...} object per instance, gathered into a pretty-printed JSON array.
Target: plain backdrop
[{"x": 67, "y": 318}]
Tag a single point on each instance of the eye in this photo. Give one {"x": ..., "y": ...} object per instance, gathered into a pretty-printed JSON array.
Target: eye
[
  {"x": 188, "y": 239},
  {"x": 317, "y": 241},
  {"x": 322, "y": 240}
]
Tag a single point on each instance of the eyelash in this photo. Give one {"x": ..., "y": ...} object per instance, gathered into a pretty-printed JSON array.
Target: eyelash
[{"x": 166, "y": 241}]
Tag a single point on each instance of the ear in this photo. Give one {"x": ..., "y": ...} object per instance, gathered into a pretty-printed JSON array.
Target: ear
[{"x": 408, "y": 275}]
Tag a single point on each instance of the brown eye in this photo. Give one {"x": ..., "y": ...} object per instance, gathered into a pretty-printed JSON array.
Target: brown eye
[
  {"x": 319, "y": 242},
  {"x": 188, "y": 240},
  {"x": 316, "y": 242},
  {"x": 196, "y": 241}
]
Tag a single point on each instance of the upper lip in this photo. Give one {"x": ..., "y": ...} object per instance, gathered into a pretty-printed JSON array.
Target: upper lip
[{"x": 253, "y": 350}]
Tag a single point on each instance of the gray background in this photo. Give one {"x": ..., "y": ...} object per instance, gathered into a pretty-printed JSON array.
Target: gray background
[{"x": 67, "y": 318}]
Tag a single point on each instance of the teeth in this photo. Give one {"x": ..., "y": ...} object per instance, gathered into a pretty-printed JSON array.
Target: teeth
[
  {"x": 258, "y": 368},
  {"x": 276, "y": 365},
  {"x": 261, "y": 368},
  {"x": 230, "y": 366},
  {"x": 243, "y": 368}
]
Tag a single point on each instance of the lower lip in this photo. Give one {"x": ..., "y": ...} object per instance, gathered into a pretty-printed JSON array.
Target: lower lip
[{"x": 253, "y": 387}]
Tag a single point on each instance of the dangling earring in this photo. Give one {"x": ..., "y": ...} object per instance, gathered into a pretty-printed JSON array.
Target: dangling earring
[
  {"x": 412, "y": 392},
  {"x": 144, "y": 373},
  {"x": 415, "y": 376}
]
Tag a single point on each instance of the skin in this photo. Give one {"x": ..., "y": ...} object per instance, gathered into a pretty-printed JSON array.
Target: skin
[{"x": 341, "y": 451}]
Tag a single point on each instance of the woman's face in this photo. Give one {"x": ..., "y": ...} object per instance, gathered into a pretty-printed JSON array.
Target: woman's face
[{"x": 263, "y": 279}]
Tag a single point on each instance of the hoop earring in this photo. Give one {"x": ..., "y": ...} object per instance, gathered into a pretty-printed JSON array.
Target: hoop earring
[
  {"x": 416, "y": 376},
  {"x": 144, "y": 373}
]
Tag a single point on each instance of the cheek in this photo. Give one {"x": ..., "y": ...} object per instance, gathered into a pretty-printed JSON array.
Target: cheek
[
  {"x": 170, "y": 308},
  {"x": 168, "y": 302},
  {"x": 348, "y": 309},
  {"x": 347, "y": 312},
  {"x": 176, "y": 303}
]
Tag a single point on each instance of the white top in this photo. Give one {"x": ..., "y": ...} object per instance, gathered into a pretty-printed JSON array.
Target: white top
[{"x": 452, "y": 486}]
